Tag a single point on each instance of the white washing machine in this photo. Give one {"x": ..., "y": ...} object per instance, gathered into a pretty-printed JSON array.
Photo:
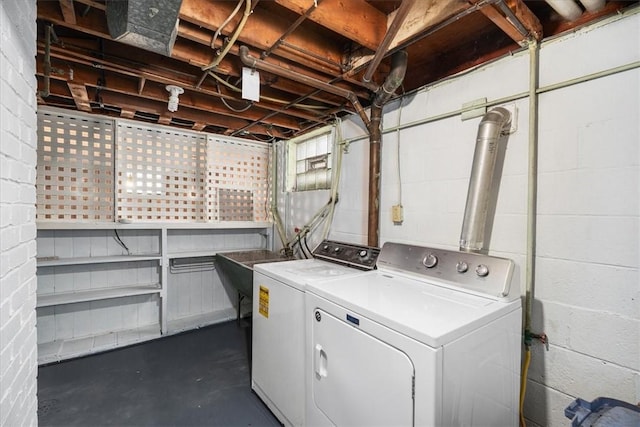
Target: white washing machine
[
  {"x": 430, "y": 338},
  {"x": 278, "y": 353}
]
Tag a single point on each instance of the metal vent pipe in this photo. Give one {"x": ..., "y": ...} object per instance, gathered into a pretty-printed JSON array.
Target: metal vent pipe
[
  {"x": 391, "y": 83},
  {"x": 474, "y": 226}
]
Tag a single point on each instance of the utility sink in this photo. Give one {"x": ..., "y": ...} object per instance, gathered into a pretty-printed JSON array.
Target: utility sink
[{"x": 236, "y": 269}]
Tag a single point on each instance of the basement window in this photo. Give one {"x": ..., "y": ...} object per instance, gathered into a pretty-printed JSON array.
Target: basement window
[{"x": 309, "y": 160}]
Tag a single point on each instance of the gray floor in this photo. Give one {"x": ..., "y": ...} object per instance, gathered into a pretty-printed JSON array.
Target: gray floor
[{"x": 199, "y": 378}]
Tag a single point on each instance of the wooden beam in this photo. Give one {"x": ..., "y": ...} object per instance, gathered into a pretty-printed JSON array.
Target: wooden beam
[
  {"x": 527, "y": 18},
  {"x": 262, "y": 29},
  {"x": 356, "y": 20},
  {"x": 141, "y": 83},
  {"x": 156, "y": 91},
  {"x": 522, "y": 13},
  {"x": 80, "y": 96},
  {"x": 423, "y": 15},
  {"x": 127, "y": 114},
  {"x": 92, "y": 3},
  {"x": 499, "y": 19},
  {"x": 68, "y": 12},
  {"x": 94, "y": 24},
  {"x": 199, "y": 126},
  {"x": 165, "y": 120},
  {"x": 185, "y": 113}
]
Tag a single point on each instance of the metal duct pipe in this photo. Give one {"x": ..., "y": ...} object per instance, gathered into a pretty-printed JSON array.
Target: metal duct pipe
[
  {"x": 568, "y": 9},
  {"x": 493, "y": 125},
  {"x": 391, "y": 83},
  {"x": 593, "y": 5}
]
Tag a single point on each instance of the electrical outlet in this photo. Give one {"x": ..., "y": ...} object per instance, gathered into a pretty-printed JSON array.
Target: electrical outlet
[{"x": 397, "y": 214}]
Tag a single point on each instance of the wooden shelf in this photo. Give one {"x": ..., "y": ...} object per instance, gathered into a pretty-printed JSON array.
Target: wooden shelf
[
  {"x": 95, "y": 294},
  {"x": 55, "y": 351},
  {"x": 55, "y": 225},
  {"x": 52, "y": 262}
]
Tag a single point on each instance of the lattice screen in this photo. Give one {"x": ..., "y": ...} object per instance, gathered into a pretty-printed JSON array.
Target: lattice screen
[
  {"x": 75, "y": 168},
  {"x": 161, "y": 173},
  {"x": 237, "y": 180}
]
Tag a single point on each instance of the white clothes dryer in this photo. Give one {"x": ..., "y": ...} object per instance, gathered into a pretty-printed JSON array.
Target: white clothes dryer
[
  {"x": 278, "y": 353},
  {"x": 431, "y": 338}
]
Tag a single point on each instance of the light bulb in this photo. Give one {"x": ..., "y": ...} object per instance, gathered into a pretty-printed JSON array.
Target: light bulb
[{"x": 173, "y": 98}]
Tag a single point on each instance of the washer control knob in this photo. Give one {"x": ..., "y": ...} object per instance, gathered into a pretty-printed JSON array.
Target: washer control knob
[
  {"x": 363, "y": 253},
  {"x": 337, "y": 249},
  {"x": 325, "y": 247},
  {"x": 482, "y": 270},
  {"x": 462, "y": 267},
  {"x": 430, "y": 261}
]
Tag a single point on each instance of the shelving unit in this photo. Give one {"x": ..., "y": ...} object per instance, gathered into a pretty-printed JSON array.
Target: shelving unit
[
  {"x": 58, "y": 350},
  {"x": 60, "y": 298},
  {"x": 95, "y": 295},
  {"x": 52, "y": 262}
]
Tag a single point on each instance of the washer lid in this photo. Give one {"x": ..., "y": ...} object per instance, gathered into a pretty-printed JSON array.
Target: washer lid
[
  {"x": 298, "y": 273},
  {"x": 429, "y": 313}
]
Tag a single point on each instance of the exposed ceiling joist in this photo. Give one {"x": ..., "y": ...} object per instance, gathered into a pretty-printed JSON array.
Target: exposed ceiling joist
[{"x": 313, "y": 51}]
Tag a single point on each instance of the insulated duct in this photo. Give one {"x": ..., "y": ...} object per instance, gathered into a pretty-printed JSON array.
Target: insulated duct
[
  {"x": 568, "y": 9},
  {"x": 474, "y": 226},
  {"x": 147, "y": 24}
]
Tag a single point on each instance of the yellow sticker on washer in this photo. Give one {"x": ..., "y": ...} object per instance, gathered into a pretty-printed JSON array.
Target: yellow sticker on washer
[{"x": 263, "y": 304}]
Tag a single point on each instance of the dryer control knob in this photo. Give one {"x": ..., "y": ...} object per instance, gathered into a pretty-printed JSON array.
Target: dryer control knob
[
  {"x": 482, "y": 270},
  {"x": 462, "y": 267},
  {"x": 363, "y": 253},
  {"x": 430, "y": 261},
  {"x": 338, "y": 249}
]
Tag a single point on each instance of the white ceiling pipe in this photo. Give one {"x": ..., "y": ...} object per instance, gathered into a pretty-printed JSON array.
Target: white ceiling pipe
[
  {"x": 568, "y": 9},
  {"x": 593, "y": 5}
]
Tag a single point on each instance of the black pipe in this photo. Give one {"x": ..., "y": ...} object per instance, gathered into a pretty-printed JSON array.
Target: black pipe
[{"x": 391, "y": 83}]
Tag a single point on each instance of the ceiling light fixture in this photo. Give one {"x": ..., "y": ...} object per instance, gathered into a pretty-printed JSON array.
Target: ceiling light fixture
[{"x": 173, "y": 98}]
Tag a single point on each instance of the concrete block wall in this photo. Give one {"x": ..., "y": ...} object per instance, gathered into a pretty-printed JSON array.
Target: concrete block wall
[
  {"x": 18, "y": 348},
  {"x": 587, "y": 288}
]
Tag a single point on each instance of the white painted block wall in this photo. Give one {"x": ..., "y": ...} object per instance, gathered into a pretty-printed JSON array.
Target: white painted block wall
[
  {"x": 588, "y": 224},
  {"x": 18, "y": 348}
]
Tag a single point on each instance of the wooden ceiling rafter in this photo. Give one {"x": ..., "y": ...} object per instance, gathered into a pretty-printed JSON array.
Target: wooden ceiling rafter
[
  {"x": 128, "y": 86},
  {"x": 68, "y": 55},
  {"x": 335, "y": 42}
]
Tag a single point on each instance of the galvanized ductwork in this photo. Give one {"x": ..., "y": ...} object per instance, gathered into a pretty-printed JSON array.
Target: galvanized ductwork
[
  {"x": 474, "y": 227},
  {"x": 147, "y": 24}
]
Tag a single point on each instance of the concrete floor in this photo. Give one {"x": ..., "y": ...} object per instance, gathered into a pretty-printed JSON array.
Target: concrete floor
[{"x": 193, "y": 379}]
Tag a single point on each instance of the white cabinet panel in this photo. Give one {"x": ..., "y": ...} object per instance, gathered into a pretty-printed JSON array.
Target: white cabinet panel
[{"x": 94, "y": 294}]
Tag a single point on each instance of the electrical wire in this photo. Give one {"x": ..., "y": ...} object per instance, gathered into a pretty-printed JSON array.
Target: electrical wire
[
  {"x": 523, "y": 384},
  {"x": 398, "y": 153},
  {"x": 234, "y": 37},
  {"x": 307, "y": 246},
  {"x": 266, "y": 98},
  {"x": 235, "y": 110},
  {"x": 120, "y": 242},
  {"x": 300, "y": 246},
  {"x": 224, "y": 24}
]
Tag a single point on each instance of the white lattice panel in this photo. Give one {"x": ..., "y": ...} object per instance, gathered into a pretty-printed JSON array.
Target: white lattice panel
[
  {"x": 161, "y": 173},
  {"x": 75, "y": 168},
  {"x": 237, "y": 180}
]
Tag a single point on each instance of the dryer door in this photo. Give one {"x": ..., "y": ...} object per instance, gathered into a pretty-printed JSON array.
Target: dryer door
[{"x": 359, "y": 380}]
